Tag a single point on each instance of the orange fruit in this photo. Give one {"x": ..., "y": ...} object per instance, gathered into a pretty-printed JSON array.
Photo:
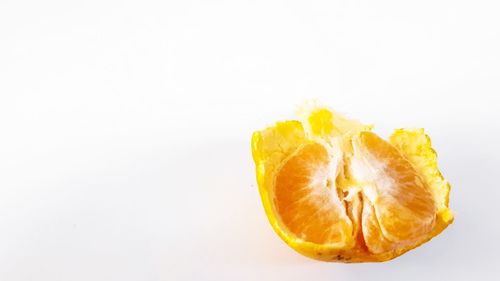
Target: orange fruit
[{"x": 333, "y": 190}]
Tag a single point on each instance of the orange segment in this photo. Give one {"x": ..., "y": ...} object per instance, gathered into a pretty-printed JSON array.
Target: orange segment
[
  {"x": 403, "y": 204},
  {"x": 306, "y": 198},
  {"x": 372, "y": 233}
]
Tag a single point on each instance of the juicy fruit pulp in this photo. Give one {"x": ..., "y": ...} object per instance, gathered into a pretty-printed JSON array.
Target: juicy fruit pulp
[{"x": 334, "y": 190}]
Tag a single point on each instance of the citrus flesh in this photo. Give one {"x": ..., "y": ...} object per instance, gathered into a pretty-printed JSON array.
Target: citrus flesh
[{"x": 333, "y": 190}]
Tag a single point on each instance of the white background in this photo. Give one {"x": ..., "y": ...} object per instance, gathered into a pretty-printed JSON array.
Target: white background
[{"x": 125, "y": 130}]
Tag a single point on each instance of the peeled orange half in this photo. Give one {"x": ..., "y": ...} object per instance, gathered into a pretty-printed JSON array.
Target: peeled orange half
[{"x": 334, "y": 190}]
